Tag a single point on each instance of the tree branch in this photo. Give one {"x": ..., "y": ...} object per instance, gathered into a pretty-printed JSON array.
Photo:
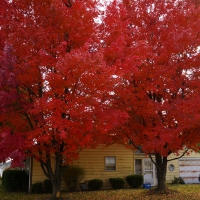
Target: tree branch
[
  {"x": 137, "y": 147},
  {"x": 153, "y": 160},
  {"x": 44, "y": 169},
  {"x": 179, "y": 156},
  {"x": 68, "y": 3}
]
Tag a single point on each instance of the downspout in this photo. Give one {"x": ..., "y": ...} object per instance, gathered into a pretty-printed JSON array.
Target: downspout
[{"x": 30, "y": 174}]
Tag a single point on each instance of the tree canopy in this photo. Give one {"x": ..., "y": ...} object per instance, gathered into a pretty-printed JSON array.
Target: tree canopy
[
  {"x": 54, "y": 83},
  {"x": 69, "y": 83},
  {"x": 154, "y": 46}
]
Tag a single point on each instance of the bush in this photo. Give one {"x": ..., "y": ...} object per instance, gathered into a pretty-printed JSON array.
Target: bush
[
  {"x": 178, "y": 180},
  {"x": 72, "y": 177},
  {"x": 37, "y": 188},
  {"x": 47, "y": 186},
  {"x": 15, "y": 180},
  {"x": 135, "y": 180},
  {"x": 117, "y": 183},
  {"x": 95, "y": 184}
]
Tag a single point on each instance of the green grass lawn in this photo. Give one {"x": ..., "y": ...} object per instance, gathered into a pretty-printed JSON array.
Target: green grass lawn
[{"x": 176, "y": 192}]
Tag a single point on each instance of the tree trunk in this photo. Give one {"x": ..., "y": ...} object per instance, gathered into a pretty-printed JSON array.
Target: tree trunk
[
  {"x": 161, "y": 172},
  {"x": 56, "y": 195},
  {"x": 54, "y": 174},
  {"x": 56, "y": 178}
]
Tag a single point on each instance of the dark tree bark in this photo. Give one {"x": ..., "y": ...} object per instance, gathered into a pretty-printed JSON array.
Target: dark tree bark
[
  {"x": 56, "y": 179},
  {"x": 54, "y": 175},
  {"x": 161, "y": 164}
]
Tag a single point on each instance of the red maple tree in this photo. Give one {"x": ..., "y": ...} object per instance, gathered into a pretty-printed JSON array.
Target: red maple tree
[
  {"x": 64, "y": 81},
  {"x": 154, "y": 46},
  {"x": 54, "y": 83}
]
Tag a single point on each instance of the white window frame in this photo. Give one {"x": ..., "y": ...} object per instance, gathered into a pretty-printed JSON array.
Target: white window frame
[{"x": 108, "y": 167}]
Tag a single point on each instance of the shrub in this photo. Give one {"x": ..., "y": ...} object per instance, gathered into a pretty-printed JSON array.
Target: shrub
[
  {"x": 178, "y": 180},
  {"x": 47, "y": 186},
  {"x": 135, "y": 180},
  {"x": 15, "y": 180},
  {"x": 95, "y": 184},
  {"x": 72, "y": 177},
  {"x": 37, "y": 188},
  {"x": 117, "y": 183}
]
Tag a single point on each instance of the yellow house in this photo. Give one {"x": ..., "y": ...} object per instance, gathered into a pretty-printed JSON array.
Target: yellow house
[
  {"x": 187, "y": 167},
  {"x": 103, "y": 163},
  {"x": 106, "y": 162}
]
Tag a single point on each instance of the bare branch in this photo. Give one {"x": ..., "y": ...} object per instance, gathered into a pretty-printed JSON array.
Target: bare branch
[
  {"x": 44, "y": 169},
  {"x": 179, "y": 156},
  {"x": 150, "y": 156},
  {"x": 137, "y": 147}
]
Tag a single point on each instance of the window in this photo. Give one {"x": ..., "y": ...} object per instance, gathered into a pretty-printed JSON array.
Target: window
[
  {"x": 138, "y": 166},
  {"x": 171, "y": 167},
  {"x": 110, "y": 163}
]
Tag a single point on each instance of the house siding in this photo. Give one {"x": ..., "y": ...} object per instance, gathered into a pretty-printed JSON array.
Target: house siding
[
  {"x": 37, "y": 173},
  {"x": 93, "y": 161},
  {"x": 175, "y": 173}
]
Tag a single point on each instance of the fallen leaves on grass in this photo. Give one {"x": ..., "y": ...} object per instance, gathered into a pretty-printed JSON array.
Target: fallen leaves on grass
[{"x": 175, "y": 192}]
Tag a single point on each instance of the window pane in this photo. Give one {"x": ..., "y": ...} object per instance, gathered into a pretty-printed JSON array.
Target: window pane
[
  {"x": 138, "y": 166},
  {"x": 110, "y": 163},
  {"x": 148, "y": 165},
  {"x": 110, "y": 167},
  {"x": 110, "y": 160}
]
